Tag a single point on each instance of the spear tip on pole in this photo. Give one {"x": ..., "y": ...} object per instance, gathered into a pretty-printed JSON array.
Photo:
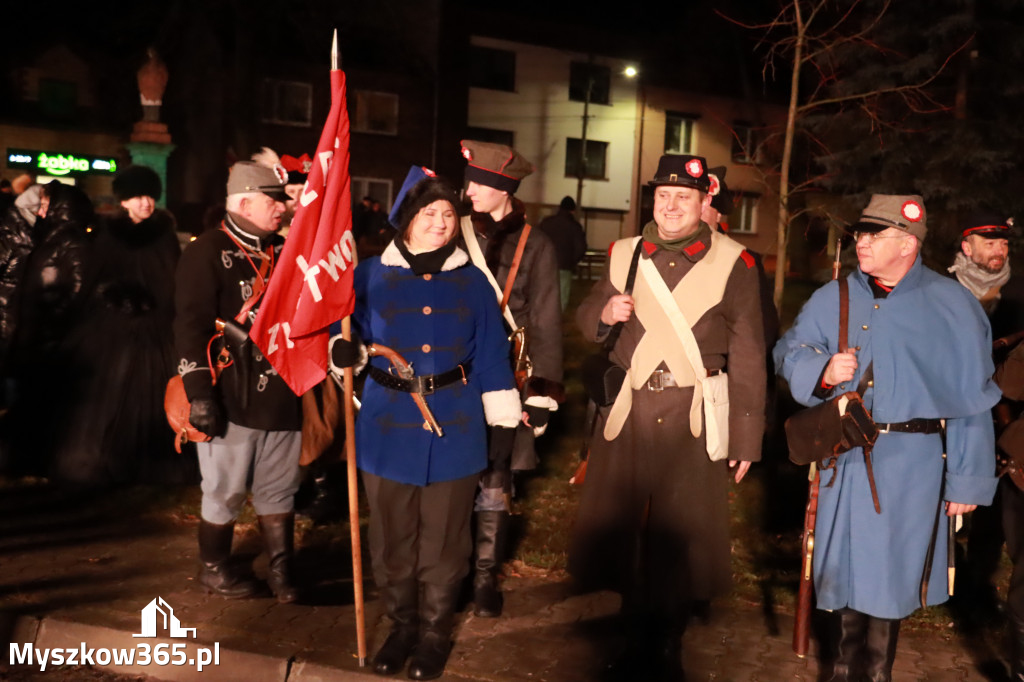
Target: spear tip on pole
[{"x": 334, "y": 51}]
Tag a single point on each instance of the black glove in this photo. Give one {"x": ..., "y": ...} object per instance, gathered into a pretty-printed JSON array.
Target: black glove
[
  {"x": 538, "y": 416},
  {"x": 345, "y": 353},
  {"x": 207, "y": 415},
  {"x": 499, "y": 450}
]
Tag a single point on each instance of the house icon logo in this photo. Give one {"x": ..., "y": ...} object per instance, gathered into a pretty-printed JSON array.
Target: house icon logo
[{"x": 170, "y": 621}]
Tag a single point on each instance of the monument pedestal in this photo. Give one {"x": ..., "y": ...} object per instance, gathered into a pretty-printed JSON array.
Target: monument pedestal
[{"x": 152, "y": 155}]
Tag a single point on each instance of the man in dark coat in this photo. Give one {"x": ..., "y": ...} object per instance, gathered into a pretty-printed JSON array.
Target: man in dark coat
[
  {"x": 493, "y": 233},
  {"x": 249, "y": 412},
  {"x": 566, "y": 234},
  {"x": 653, "y": 517}
]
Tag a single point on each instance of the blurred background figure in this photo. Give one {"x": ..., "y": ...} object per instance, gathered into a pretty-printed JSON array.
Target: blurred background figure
[
  {"x": 117, "y": 431},
  {"x": 566, "y": 233}
]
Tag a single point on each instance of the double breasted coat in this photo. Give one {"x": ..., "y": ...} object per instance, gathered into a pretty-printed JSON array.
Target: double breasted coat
[{"x": 930, "y": 347}]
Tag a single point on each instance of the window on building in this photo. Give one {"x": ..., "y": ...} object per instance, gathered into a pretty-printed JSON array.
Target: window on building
[
  {"x": 597, "y": 155},
  {"x": 679, "y": 129},
  {"x": 288, "y": 103},
  {"x": 743, "y": 219},
  {"x": 596, "y": 78},
  {"x": 57, "y": 99},
  {"x": 505, "y": 137},
  {"x": 375, "y": 112},
  {"x": 744, "y": 143},
  {"x": 492, "y": 69},
  {"x": 375, "y": 188}
]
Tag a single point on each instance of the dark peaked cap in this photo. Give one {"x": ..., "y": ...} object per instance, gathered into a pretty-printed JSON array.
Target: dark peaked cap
[{"x": 495, "y": 165}]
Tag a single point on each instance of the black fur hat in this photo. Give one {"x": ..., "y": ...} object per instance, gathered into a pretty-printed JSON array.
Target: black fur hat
[
  {"x": 137, "y": 181},
  {"x": 423, "y": 193}
]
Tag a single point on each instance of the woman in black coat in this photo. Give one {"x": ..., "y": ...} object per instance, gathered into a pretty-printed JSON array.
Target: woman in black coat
[{"x": 117, "y": 432}]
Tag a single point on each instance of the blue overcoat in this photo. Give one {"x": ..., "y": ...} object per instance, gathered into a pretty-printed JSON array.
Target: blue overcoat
[
  {"x": 931, "y": 347},
  {"x": 435, "y": 322}
]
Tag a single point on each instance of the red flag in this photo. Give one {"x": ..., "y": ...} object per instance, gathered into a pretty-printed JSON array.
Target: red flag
[{"x": 311, "y": 287}]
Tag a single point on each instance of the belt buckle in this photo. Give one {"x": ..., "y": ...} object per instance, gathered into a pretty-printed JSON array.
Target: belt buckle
[
  {"x": 884, "y": 430},
  {"x": 427, "y": 384},
  {"x": 656, "y": 384}
]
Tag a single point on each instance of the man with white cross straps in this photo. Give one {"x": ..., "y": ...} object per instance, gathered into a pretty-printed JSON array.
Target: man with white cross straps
[{"x": 653, "y": 517}]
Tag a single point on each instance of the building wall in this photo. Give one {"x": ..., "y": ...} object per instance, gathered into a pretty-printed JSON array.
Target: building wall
[{"x": 542, "y": 117}]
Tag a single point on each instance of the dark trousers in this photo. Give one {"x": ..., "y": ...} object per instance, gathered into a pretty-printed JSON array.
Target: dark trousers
[
  {"x": 1011, "y": 503},
  {"x": 420, "y": 532}
]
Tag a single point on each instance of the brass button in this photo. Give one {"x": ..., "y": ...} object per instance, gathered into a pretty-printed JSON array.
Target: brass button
[
  {"x": 864, "y": 327},
  {"x": 671, "y": 263},
  {"x": 876, "y": 306},
  {"x": 660, "y": 420},
  {"x": 871, "y": 382},
  {"x": 425, "y": 348},
  {"x": 856, "y": 347},
  {"x": 427, "y": 276},
  {"x": 427, "y": 310},
  {"x": 426, "y": 426}
]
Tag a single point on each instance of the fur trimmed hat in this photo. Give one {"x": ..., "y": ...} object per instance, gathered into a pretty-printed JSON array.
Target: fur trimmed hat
[
  {"x": 137, "y": 181},
  {"x": 423, "y": 193}
]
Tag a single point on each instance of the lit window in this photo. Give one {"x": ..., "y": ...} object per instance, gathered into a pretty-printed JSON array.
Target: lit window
[
  {"x": 597, "y": 154},
  {"x": 492, "y": 69},
  {"x": 744, "y": 143},
  {"x": 743, "y": 219},
  {"x": 592, "y": 77},
  {"x": 375, "y": 112},
  {"x": 288, "y": 103},
  {"x": 679, "y": 132}
]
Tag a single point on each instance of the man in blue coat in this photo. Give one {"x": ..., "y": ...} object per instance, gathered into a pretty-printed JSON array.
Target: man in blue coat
[{"x": 925, "y": 341}]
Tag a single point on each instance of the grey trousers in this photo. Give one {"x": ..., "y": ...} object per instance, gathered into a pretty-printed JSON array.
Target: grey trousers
[
  {"x": 420, "y": 532},
  {"x": 266, "y": 461}
]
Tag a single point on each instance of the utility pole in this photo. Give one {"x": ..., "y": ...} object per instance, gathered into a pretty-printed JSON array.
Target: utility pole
[{"x": 581, "y": 168}]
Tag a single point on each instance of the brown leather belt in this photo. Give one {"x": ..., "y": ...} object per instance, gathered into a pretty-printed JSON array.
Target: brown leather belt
[
  {"x": 424, "y": 385},
  {"x": 661, "y": 379},
  {"x": 912, "y": 426}
]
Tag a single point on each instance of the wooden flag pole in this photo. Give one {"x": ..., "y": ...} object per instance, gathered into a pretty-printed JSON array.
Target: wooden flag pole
[{"x": 350, "y": 457}]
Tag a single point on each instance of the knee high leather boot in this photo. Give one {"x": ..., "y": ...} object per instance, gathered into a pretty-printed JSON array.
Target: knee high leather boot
[
  {"x": 490, "y": 542},
  {"x": 852, "y": 637},
  {"x": 880, "y": 650},
  {"x": 437, "y": 618},
  {"x": 279, "y": 540},
  {"x": 215, "y": 572},
  {"x": 402, "y": 602}
]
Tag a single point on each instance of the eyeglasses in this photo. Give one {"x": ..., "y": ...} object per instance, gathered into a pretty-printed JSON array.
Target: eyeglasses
[{"x": 875, "y": 236}]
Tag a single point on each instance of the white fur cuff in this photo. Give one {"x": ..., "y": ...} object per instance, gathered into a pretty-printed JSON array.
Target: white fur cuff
[{"x": 502, "y": 408}]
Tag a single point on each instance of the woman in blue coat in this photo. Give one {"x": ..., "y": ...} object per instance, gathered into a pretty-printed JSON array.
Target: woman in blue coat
[{"x": 423, "y": 299}]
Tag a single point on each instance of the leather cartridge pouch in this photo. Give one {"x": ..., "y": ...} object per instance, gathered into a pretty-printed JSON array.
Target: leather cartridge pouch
[{"x": 602, "y": 378}]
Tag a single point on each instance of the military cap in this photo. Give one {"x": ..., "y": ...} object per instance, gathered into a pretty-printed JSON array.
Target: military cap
[
  {"x": 903, "y": 211},
  {"x": 987, "y": 225},
  {"x": 495, "y": 165},
  {"x": 136, "y": 181},
  {"x": 721, "y": 200},
  {"x": 682, "y": 170},
  {"x": 247, "y": 176}
]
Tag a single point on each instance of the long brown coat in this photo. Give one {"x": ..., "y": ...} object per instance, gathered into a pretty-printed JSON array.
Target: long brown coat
[{"x": 654, "y": 509}]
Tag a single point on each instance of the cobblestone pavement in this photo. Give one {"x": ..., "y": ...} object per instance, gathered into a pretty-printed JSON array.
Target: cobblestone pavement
[{"x": 69, "y": 575}]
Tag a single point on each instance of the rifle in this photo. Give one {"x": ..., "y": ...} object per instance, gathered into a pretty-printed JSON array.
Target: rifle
[{"x": 802, "y": 624}]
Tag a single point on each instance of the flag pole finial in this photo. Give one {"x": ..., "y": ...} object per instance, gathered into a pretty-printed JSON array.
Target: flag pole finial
[{"x": 335, "y": 65}]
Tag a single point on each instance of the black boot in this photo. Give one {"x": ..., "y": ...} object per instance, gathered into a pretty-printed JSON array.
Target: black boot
[
  {"x": 880, "y": 649},
  {"x": 402, "y": 603},
  {"x": 852, "y": 637},
  {"x": 279, "y": 539},
  {"x": 1016, "y": 649},
  {"x": 437, "y": 618},
  {"x": 490, "y": 541},
  {"x": 215, "y": 573}
]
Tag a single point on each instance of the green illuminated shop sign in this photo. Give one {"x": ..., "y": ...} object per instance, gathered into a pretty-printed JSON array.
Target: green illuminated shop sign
[{"x": 60, "y": 163}]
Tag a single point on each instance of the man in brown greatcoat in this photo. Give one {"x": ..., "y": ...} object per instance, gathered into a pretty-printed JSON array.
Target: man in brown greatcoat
[{"x": 653, "y": 518}]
